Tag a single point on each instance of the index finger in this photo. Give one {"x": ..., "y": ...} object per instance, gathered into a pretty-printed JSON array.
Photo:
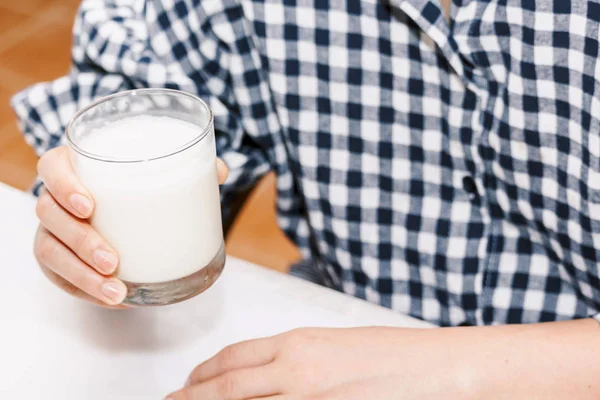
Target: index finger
[
  {"x": 252, "y": 353},
  {"x": 56, "y": 171}
]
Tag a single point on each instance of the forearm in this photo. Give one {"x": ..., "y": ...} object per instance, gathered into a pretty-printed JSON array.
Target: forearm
[{"x": 548, "y": 361}]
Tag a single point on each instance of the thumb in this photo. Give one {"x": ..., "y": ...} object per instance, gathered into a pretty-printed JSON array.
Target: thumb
[{"x": 222, "y": 171}]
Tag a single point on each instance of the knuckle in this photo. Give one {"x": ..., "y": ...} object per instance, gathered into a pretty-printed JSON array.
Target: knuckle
[
  {"x": 227, "y": 358},
  {"x": 39, "y": 236},
  {"x": 193, "y": 378},
  {"x": 294, "y": 339},
  {"x": 81, "y": 239},
  {"x": 43, "y": 162},
  {"x": 48, "y": 159},
  {"x": 58, "y": 281},
  {"x": 78, "y": 282},
  {"x": 50, "y": 165},
  {"x": 44, "y": 205},
  {"x": 71, "y": 290},
  {"x": 225, "y": 386},
  {"x": 47, "y": 249},
  {"x": 293, "y": 344},
  {"x": 80, "y": 277}
]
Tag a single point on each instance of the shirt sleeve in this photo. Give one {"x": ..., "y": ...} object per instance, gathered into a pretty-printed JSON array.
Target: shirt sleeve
[{"x": 125, "y": 44}]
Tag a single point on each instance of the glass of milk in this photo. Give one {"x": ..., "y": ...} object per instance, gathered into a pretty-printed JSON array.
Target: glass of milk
[{"x": 148, "y": 157}]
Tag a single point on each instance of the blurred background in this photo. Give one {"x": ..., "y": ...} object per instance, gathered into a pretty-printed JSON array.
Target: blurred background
[{"x": 35, "y": 41}]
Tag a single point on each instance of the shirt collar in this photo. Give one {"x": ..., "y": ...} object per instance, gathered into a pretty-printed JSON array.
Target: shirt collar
[{"x": 429, "y": 16}]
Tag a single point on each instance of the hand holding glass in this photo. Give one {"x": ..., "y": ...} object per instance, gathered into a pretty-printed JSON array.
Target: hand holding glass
[{"x": 148, "y": 158}]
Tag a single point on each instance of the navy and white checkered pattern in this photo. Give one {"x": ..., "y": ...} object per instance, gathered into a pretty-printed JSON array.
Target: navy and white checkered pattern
[{"x": 448, "y": 170}]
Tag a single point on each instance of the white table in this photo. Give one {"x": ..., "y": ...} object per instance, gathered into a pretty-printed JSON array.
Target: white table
[{"x": 55, "y": 347}]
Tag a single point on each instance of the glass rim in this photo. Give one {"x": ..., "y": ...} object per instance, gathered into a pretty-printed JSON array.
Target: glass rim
[{"x": 133, "y": 92}]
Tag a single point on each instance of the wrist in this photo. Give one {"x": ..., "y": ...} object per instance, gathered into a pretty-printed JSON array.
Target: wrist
[
  {"x": 469, "y": 381},
  {"x": 464, "y": 357},
  {"x": 470, "y": 378}
]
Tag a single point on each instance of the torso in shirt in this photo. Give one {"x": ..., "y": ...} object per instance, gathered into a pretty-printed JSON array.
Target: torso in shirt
[
  {"x": 448, "y": 171},
  {"x": 443, "y": 166}
]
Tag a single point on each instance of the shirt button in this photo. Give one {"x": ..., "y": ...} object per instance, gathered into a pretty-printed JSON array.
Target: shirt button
[{"x": 470, "y": 187}]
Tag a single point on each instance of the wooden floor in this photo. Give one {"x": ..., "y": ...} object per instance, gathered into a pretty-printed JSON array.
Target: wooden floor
[{"x": 35, "y": 39}]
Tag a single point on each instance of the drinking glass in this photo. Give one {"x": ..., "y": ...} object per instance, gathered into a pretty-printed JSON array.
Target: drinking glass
[{"x": 148, "y": 158}]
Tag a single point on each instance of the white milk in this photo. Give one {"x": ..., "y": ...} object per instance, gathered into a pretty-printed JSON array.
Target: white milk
[{"x": 163, "y": 216}]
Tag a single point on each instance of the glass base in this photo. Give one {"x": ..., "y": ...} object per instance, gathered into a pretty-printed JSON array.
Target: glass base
[{"x": 164, "y": 293}]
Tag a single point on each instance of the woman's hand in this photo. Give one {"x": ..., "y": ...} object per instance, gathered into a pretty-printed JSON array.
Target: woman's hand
[
  {"x": 70, "y": 252},
  {"x": 558, "y": 360},
  {"x": 344, "y": 364}
]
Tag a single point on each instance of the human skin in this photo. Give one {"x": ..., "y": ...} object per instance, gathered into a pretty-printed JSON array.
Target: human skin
[
  {"x": 69, "y": 251},
  {"x": 558, "y": 360}
]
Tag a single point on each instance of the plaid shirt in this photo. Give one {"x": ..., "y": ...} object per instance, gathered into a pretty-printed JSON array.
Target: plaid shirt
[{"x": 448, "y": 170}]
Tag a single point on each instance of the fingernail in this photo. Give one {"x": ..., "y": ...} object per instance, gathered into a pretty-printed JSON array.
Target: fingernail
[
  {"x": 114, "y": 290},
  {"x": 81, "y": 204},
  {"x": 106, "y": 260}
]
